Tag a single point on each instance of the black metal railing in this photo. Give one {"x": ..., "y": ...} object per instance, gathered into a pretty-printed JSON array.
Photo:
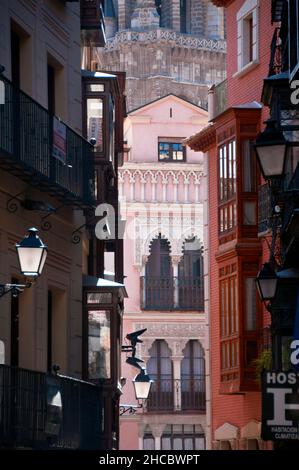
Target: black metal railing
[
  {"x": 46, "y": 411},
  {"x": 264, "y": 208},
  {"x": 275, "y": 55},
  {"x": 157, "y": 292},
  {"x": 27, "y": 139},
  {"x": 177, "y": 395},
  {"x": 191, "y": 293},
  {"x": 172, "y": 293}
]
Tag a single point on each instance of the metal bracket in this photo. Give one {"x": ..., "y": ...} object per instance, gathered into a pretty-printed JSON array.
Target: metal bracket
[
  {"x": 76, "y": 238},
  {"x": 45, "y": 224},
  {"x": 130, "y": 409},
  {"x": 15, "y": 289},
  {"x": 12, "y": 206}
]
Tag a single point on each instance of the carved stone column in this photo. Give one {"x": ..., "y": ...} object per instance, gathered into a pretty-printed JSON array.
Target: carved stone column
[
  {"x": 132, "y": 188},
  {"x": 164, "y": 183},
  {"x": 142, "y": 273},
  {"x": 186, "y": 191},
  {"x": 142, "y": 184},
  {"x": 177, "y": 389},
  {"x": 196, "y": 192},
  {"x": 175, "y": 264},
  {"x": 157, "y": 431},
  {"x": 175, "y": 189},
  {"x": 154, "y": 187}
]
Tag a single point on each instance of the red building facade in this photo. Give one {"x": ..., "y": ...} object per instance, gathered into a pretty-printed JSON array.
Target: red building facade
[{"x": 234, "y": 249}]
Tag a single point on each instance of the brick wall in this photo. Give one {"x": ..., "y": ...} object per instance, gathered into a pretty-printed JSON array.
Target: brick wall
[
  {"x": 235, "y": 409},
  {"x": 248, "y": 87}
]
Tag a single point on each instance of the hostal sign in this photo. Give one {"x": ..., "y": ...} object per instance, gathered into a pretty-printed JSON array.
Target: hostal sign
[{"x": 280, "y": 405}]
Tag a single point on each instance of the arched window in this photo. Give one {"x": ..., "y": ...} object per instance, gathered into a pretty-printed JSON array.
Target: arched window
[
  {"x": 193, "y": 377},
  {"x": 158, "y": 276},
  {"x": 190, "y": 280},
  {"x": 183, "y": 437},
  {"x": 183, "y": 16},
  {"x": 148, "y": 439},
  {"x": 159, "y": 367}
]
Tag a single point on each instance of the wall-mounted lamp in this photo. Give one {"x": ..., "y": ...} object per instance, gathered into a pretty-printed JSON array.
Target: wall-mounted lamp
[
  {"x": 142, "y": 381},
  {"x": 32, "y": 253},
  {"x": 142, "y": 385},
  {"x": 266, "y": 282},
  {"x": 271, "y": 149}
]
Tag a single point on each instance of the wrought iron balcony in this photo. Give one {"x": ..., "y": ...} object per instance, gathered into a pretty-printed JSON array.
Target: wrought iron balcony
[
  {"x": 169, "y": 395},
  {"x": 276, "y": 54},
  {"x": 172, "y": 293},
  {"x": 92, "y": 23},
  {"x": 30, "y": 415},
  {"x": 264, "y": 208},
  {"x": 28, "y": 141}
]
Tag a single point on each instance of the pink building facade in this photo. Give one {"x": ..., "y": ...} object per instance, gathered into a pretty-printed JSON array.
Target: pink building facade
[{"x": 161, "y": 191}]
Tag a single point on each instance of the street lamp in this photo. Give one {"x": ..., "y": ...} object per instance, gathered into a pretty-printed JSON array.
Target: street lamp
[
  {"x": 271, "y": 149},
  {"x": 267, "y": 281},
  {"x": 32, "y": 253},
  {"x": 142, "y": 385}
]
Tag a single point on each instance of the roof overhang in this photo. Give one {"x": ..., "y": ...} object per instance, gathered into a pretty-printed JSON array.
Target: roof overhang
[{"x": 203, "y": 140}]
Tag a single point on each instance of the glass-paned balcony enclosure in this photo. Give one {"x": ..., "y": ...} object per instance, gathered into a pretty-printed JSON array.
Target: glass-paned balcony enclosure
[{"x": 99, "y": 94}]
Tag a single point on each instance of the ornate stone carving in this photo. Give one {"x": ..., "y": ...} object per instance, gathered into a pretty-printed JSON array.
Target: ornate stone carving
[
  {"x": 124, "y": 37},
  {"x": 168, "y": 330}
]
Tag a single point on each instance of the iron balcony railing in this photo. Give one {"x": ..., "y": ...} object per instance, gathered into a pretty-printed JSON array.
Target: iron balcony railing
[
  {"x": 29, "y": 148},
  {"x": 177, "y": 395},
  {"x": 40, "y": 411},
  {"x": 264, "y": 208},
  {"x": 172, "y": 293}
]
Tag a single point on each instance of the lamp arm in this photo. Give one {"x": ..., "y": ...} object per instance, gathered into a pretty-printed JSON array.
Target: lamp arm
[
  {"x": 130, "y": 409},
  {"x": 15, "y": 289}
]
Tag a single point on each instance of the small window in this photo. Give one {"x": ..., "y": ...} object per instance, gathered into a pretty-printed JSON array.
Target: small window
[
  {"x": 247, "y": 39},
  {"x": 171, "y": 150},
  {"x": 148, "y": 439},
  {"x": 249, "y": 213},
  {"x": 95, "y": 87},
  {"x": 247, "y": 23},
  {"x": 99, "y": 345},
  {"x": 95, "y": 121},
  {"x": 99, "y": 298}
]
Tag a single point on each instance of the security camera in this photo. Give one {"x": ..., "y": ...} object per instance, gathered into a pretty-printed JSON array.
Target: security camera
[{"x": 93, "y": 141}]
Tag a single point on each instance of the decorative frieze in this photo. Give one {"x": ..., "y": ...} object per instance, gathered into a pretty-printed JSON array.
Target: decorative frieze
[{"x": 156, "y": 35}]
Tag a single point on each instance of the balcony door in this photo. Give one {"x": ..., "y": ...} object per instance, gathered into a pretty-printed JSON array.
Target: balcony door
[
  {"x": 193, "y": 377},
  {"x": 159, "y": 367},
  {"x": 158, "y": 276},
  {"x": 190, "y": 281}
]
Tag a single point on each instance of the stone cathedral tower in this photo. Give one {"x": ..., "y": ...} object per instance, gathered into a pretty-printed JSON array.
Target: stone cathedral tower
[{"x": 164, "y": 46}]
